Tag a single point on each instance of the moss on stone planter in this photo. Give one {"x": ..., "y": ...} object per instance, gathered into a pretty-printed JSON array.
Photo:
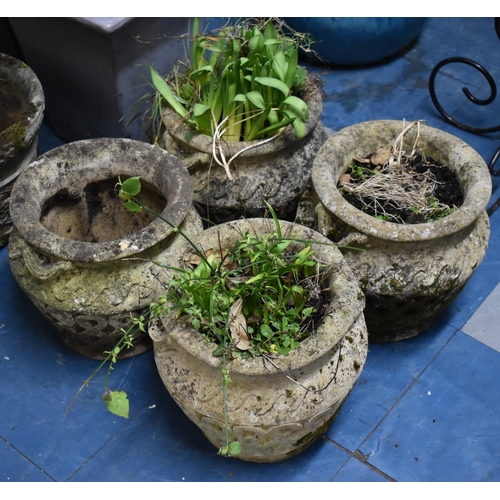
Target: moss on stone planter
[
  {"x": 85, "y": 261},
  {"x": 14, "y": 136},
  {"x": 22, "y": 104}
]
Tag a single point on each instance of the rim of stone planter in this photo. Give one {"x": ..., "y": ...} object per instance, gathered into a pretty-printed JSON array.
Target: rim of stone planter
[
  {"x": 364, "y": 138},
  {"x": 337, "y": 320},
  {"x": 202, "y": 143},
  {"x": 24, "y": 78},
  {"x": 80, "y": 162}
]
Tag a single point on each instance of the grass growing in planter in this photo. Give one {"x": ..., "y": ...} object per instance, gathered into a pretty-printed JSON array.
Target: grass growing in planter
[{"x": 246, "y": 75}]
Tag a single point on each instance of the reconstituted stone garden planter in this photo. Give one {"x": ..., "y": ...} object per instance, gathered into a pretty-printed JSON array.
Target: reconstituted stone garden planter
[
  {"x": 277, "y": 172},
  {"x": 278, "y": 408},
  {"x": 408, "y": 272},
  {"x": 79, "y": 255},
  {"x": 21, "y": 113}
]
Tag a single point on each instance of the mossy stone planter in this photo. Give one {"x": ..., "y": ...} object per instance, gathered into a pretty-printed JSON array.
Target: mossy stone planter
[
  {"x": 275, "y": 409},
  {"x": 277, "y": 172},
  {"x": 22, "y": 104},
  {"x": 408, "y": 272},
  {"x": 80, "y": 256}
]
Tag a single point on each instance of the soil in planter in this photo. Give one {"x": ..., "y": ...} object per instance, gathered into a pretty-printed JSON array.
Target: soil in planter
[
  {"x": 428, "y": 191},
  {"x": 96, "y": 214}
]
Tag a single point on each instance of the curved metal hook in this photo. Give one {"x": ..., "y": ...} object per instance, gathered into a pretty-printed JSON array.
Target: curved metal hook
[
  {"x": 468, "y": 94},
  {"x": 491, "y": 164},
  {"x": 479, "y": 102}
]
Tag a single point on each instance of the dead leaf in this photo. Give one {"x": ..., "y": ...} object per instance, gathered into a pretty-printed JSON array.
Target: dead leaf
[
  {"x": 194, "y": 259},
  {"x": 381, "y": 157},
  {"x": 362, "y": 160},
  {"x": 238, "y": 326},
  {"x": 344, "y": 179}
]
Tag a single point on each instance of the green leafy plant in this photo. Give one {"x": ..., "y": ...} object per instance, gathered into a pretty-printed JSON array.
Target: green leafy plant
[
  {"x": 241, "y": 83},
  {"x": 255, "y": 299},
  {"x": 228, "y": 295}
]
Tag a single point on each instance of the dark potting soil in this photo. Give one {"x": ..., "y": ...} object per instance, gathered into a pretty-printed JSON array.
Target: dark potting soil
[{"x": 447, "y": 190}]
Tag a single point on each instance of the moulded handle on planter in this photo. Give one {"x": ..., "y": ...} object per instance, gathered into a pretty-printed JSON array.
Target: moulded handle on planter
[{"x": 41, "y": 266}]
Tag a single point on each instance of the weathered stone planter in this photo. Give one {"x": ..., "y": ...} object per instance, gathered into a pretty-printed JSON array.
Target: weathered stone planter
[
  {"x": 276, "y": 172},
  {"x": 409, "y": 273},
  {"x": 21, "y": 113},
  {"x": 276, "y": 409},
  {"x": 81, "y": 257}
]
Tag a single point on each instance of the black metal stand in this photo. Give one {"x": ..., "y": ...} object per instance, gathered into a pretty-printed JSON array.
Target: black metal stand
[{"x": 479, "y": 102}]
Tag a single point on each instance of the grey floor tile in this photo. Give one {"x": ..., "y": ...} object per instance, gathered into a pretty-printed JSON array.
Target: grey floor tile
[{"x": 484, "y": 325}]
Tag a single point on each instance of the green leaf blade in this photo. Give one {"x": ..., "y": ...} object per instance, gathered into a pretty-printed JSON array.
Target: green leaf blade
[
  {"x": 166, "y": 92},
  {"x": 117, "y": 403},
  {"x": 274, "y": 83},
  {"x": 132, "y": 186}
]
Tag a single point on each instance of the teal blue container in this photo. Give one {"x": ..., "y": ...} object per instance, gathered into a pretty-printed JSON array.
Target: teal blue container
[{"x": 356, "y": 41}]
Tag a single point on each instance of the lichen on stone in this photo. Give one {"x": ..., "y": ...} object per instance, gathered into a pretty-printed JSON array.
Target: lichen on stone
[{"x": 14, "y": 136}]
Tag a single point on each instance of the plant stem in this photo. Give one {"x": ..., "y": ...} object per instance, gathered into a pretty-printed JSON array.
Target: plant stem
[
  {"x": 224, "y": 396},
  {"x": 177, "y": 230}
]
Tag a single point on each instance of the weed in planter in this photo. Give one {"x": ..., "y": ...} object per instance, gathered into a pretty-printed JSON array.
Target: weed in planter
[
  {"x": 402, "y": 188},
  {"x": 256, "y": 299}
]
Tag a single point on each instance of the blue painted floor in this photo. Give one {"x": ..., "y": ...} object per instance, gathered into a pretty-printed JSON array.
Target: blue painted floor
[{"x": 425, "y": 409}]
